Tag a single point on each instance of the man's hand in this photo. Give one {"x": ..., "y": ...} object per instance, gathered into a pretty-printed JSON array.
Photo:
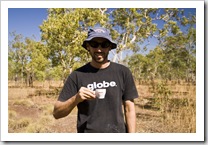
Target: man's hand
[
  {"x": 62, "y": 109},
  {"x": 85, "y": 94}
]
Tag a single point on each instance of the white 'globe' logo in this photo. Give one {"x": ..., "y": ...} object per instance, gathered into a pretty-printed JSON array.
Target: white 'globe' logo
[{"x": 104, "y": 84}]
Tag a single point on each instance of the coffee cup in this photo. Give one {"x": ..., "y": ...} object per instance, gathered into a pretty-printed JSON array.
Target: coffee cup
[{"x": 100, "y": 93}]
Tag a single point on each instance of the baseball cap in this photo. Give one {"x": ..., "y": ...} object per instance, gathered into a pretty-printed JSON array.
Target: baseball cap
[{"x": 99, "y": 32}]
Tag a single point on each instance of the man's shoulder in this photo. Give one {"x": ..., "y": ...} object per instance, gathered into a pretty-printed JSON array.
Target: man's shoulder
[{"x": 120, "y": 66}]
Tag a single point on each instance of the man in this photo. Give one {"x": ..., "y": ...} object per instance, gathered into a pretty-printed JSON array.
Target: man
[{"x": 97, "y": 115}]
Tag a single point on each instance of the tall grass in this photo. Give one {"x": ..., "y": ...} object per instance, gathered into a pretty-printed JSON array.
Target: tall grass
[{"x": 177, "y": 106}]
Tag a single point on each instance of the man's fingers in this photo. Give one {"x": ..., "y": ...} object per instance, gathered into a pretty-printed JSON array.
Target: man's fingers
[
  {"x": 90, "y": 94},
  {"x": 86, "y": 93}
]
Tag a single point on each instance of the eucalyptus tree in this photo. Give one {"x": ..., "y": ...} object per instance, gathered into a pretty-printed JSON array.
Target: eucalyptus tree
[
  {"x": 64, "y": 31},
  {"x": 175, "y": 35},
  {"x": 138, "y": 64},
  {"x": 27, "y": 58},
  {"x": 181, "y": 55},
  {"x": 133, "y": 28},
  {"x": 180, "y": 47},
  {"x": 147, "y": 67},
  {"x": 17, "y": 56},
  {"x": 38, "y": 62}
]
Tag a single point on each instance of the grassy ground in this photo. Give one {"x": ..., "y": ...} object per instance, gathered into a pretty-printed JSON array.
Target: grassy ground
[{"x": 161, "y": 108}]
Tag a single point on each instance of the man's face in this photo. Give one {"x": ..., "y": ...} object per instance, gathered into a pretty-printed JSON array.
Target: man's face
[{"x": 99, "y": 49}]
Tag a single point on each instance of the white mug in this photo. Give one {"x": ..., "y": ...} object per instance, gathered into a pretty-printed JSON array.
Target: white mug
[{"x": 100, "y": 93}]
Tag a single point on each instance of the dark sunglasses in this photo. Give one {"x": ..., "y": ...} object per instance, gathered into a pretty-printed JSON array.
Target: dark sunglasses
[{"x": 95, "y": 44}]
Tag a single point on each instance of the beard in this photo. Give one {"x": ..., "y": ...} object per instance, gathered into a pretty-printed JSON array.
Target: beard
[{"x": 99, "y": 57}]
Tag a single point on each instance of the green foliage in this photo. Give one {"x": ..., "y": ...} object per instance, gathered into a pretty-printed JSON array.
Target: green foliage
[
  {"x": 40, "y": 75},
  {"x": 174, "y": 59},
  {"x": 27, "y": 57},
  {"x": 55, "y": 73},
  {"x": 62, "y": 33}
]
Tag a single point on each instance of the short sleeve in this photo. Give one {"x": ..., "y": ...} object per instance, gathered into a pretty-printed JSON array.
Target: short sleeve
[
  {"x": 130, "y": 91},
  {"x": 69, "y": 89}
]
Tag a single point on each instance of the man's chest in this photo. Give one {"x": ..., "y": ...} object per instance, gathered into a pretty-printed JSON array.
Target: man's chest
[
  {"x": 112, "y": 84},
  {"x": 94, "y": 81}
]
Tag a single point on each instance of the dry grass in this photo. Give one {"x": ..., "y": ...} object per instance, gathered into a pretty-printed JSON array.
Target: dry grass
[
  {"x": 17, "y": 125},
  {"x": 157, "y": 111},
  {"x": 26, "y": 103},
  {"x": 41, "y": 126},
  {"x": 173, "y": 108}
]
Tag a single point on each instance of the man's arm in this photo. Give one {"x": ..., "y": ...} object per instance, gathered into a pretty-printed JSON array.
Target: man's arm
[
  {"x": 130, "y": 115},
  {"x": 62, "y": 109}
]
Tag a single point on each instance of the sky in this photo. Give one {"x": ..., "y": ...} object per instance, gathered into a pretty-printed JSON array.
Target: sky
[{"x": 26, "y": 21}]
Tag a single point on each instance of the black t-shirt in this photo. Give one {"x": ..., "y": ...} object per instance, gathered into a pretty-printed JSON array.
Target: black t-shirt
[{"x": 101, "y": 115}]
